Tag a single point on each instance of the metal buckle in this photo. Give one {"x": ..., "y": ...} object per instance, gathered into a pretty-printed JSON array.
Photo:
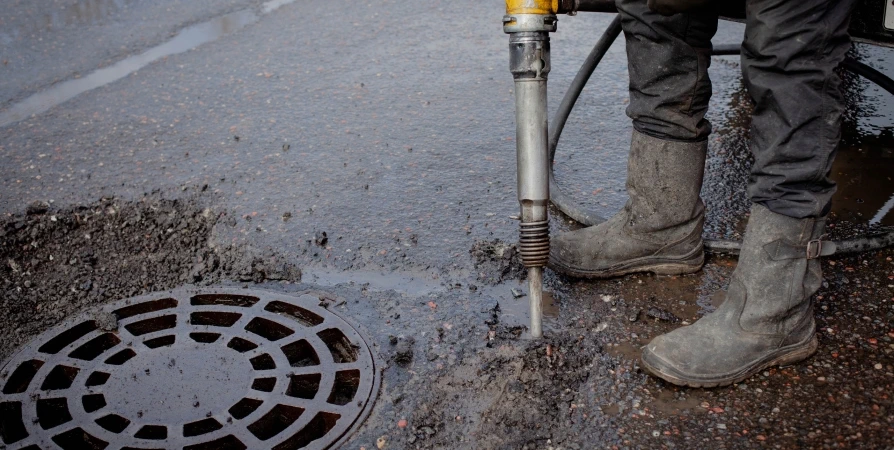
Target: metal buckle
[{"x": 814, "y": 249}]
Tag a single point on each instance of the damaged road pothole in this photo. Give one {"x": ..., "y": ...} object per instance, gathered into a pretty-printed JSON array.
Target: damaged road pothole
[{"x": 195, "y": 369}]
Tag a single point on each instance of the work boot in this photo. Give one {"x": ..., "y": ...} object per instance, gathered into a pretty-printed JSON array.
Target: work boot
[
  {"x": 767, "y": 318},
  {"x": 659, "y": 229}
]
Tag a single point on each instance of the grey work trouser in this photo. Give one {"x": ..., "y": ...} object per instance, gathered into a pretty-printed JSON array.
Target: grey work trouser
[{"x": 791, "y": 50}]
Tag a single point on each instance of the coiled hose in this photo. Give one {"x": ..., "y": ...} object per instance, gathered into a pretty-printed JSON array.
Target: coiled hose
[{"x": 587, "y": 217}]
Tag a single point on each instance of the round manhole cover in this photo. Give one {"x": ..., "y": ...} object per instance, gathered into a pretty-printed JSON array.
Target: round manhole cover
[{"x": 191, "y": 369}]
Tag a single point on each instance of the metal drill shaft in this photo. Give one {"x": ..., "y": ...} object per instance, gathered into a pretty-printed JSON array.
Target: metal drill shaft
[
  {"x": 530, "y": 65},
  {"x": 535, "y": 287}
]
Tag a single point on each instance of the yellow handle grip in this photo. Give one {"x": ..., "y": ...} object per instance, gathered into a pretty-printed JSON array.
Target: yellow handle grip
[{"x": 543, "y": 7}]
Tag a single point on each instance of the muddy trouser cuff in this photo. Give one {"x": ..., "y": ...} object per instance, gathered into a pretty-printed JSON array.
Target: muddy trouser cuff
[{"x": 668, "y": 60}]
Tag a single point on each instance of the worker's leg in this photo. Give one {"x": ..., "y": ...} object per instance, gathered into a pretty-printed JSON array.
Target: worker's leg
[
  {"x": 660, "y": 227},
  {"x": 789, "y": 57},
  {"x": 668, "y": 60}
]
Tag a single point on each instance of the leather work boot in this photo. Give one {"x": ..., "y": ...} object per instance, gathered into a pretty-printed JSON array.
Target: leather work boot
[
  {"x": 659, "y": 229},
  {"x": 767, "y": 318}
]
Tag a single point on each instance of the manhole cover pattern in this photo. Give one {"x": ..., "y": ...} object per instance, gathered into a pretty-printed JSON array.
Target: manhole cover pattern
[{"x": 191, "y": 369}]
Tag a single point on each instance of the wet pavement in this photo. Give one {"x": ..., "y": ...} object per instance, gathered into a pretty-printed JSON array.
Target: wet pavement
[{"x": 367, "y": 150}]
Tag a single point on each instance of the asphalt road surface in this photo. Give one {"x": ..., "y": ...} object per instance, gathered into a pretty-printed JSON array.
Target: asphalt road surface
[{"x": 366, "y": 149}]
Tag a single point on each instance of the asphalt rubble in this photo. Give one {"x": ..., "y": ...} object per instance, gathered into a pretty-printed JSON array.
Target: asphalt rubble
[{"x": 460, "y": 370}]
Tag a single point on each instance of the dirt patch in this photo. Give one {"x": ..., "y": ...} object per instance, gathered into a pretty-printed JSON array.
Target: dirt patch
[
  {"x": 518, "y": 395},
  {"x": 56, "y": 262},
  {"x": 497, "y": 261},
  {"x": 550, "y": 383}
]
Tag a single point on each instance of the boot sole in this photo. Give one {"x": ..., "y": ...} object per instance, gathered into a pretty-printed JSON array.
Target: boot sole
[
  {"x": 783, "y": 357},
  {"x": 658, "y": 266}
]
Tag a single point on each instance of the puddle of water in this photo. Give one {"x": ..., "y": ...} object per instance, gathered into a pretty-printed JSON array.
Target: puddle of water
[
  {"x": 187, "y": 39},
  {"x": 517, "y": 311},
  {"x": 687, "y": 311},
  {"x": 550, "y": 306},
  {"x": 667, "y": 403},
  {"x": 513, "y": 311},
  {"x": 865, "y": 185},
  {"x": 611, "y": 410},
  {"x": 675, "y": 294},
  {"x": 624, "y": 350},
  {"x": 273, "y": 5},
  {"x": 405, "y": 283}
]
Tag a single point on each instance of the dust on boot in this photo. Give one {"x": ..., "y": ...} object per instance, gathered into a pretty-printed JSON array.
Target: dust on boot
[
  {"x": 767, "y": 318},
  {"x": 659, "y": 229}
]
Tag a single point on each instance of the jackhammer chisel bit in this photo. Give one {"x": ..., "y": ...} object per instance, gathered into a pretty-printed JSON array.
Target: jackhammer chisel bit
[{"x": 530, "y": 65}]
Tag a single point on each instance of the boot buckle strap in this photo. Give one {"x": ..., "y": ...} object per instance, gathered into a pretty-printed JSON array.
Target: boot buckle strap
[
  {"x": 780, "y": 249},
  {"x": 814, "y": 249}
]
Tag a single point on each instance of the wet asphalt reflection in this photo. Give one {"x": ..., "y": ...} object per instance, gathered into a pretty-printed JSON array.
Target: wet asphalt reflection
[{"x": 372, "y": 146}]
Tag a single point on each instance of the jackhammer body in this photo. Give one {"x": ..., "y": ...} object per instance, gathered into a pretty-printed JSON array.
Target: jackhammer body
[{"x": 528, "y": 23}]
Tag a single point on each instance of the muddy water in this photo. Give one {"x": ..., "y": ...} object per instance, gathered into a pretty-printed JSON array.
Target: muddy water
[
  {"x": 517, "y": 312},
  {"x": 418, "y": 284},
  {"x": 625, "y": 350},
  {"x": 865, "y": 184},
  {"x": 668, "y": 401},
  {"x": 511, "y": 296}
]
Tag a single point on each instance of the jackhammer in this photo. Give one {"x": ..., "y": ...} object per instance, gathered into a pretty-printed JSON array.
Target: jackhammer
[
  {"x": 528, "y": 28},
  {"x": 528, "y": 23}
]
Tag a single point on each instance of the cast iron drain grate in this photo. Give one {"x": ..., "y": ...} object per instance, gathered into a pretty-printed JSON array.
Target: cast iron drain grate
[{"x": 191, "y": 369}]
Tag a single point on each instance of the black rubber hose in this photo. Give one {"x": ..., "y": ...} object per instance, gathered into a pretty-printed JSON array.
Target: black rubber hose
[
  {"x": 869, "y": 73},
  {"x": 556, "y": 196},
  {"x": 596, "y": 6},
  {"x": 587, "y": 217}
]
